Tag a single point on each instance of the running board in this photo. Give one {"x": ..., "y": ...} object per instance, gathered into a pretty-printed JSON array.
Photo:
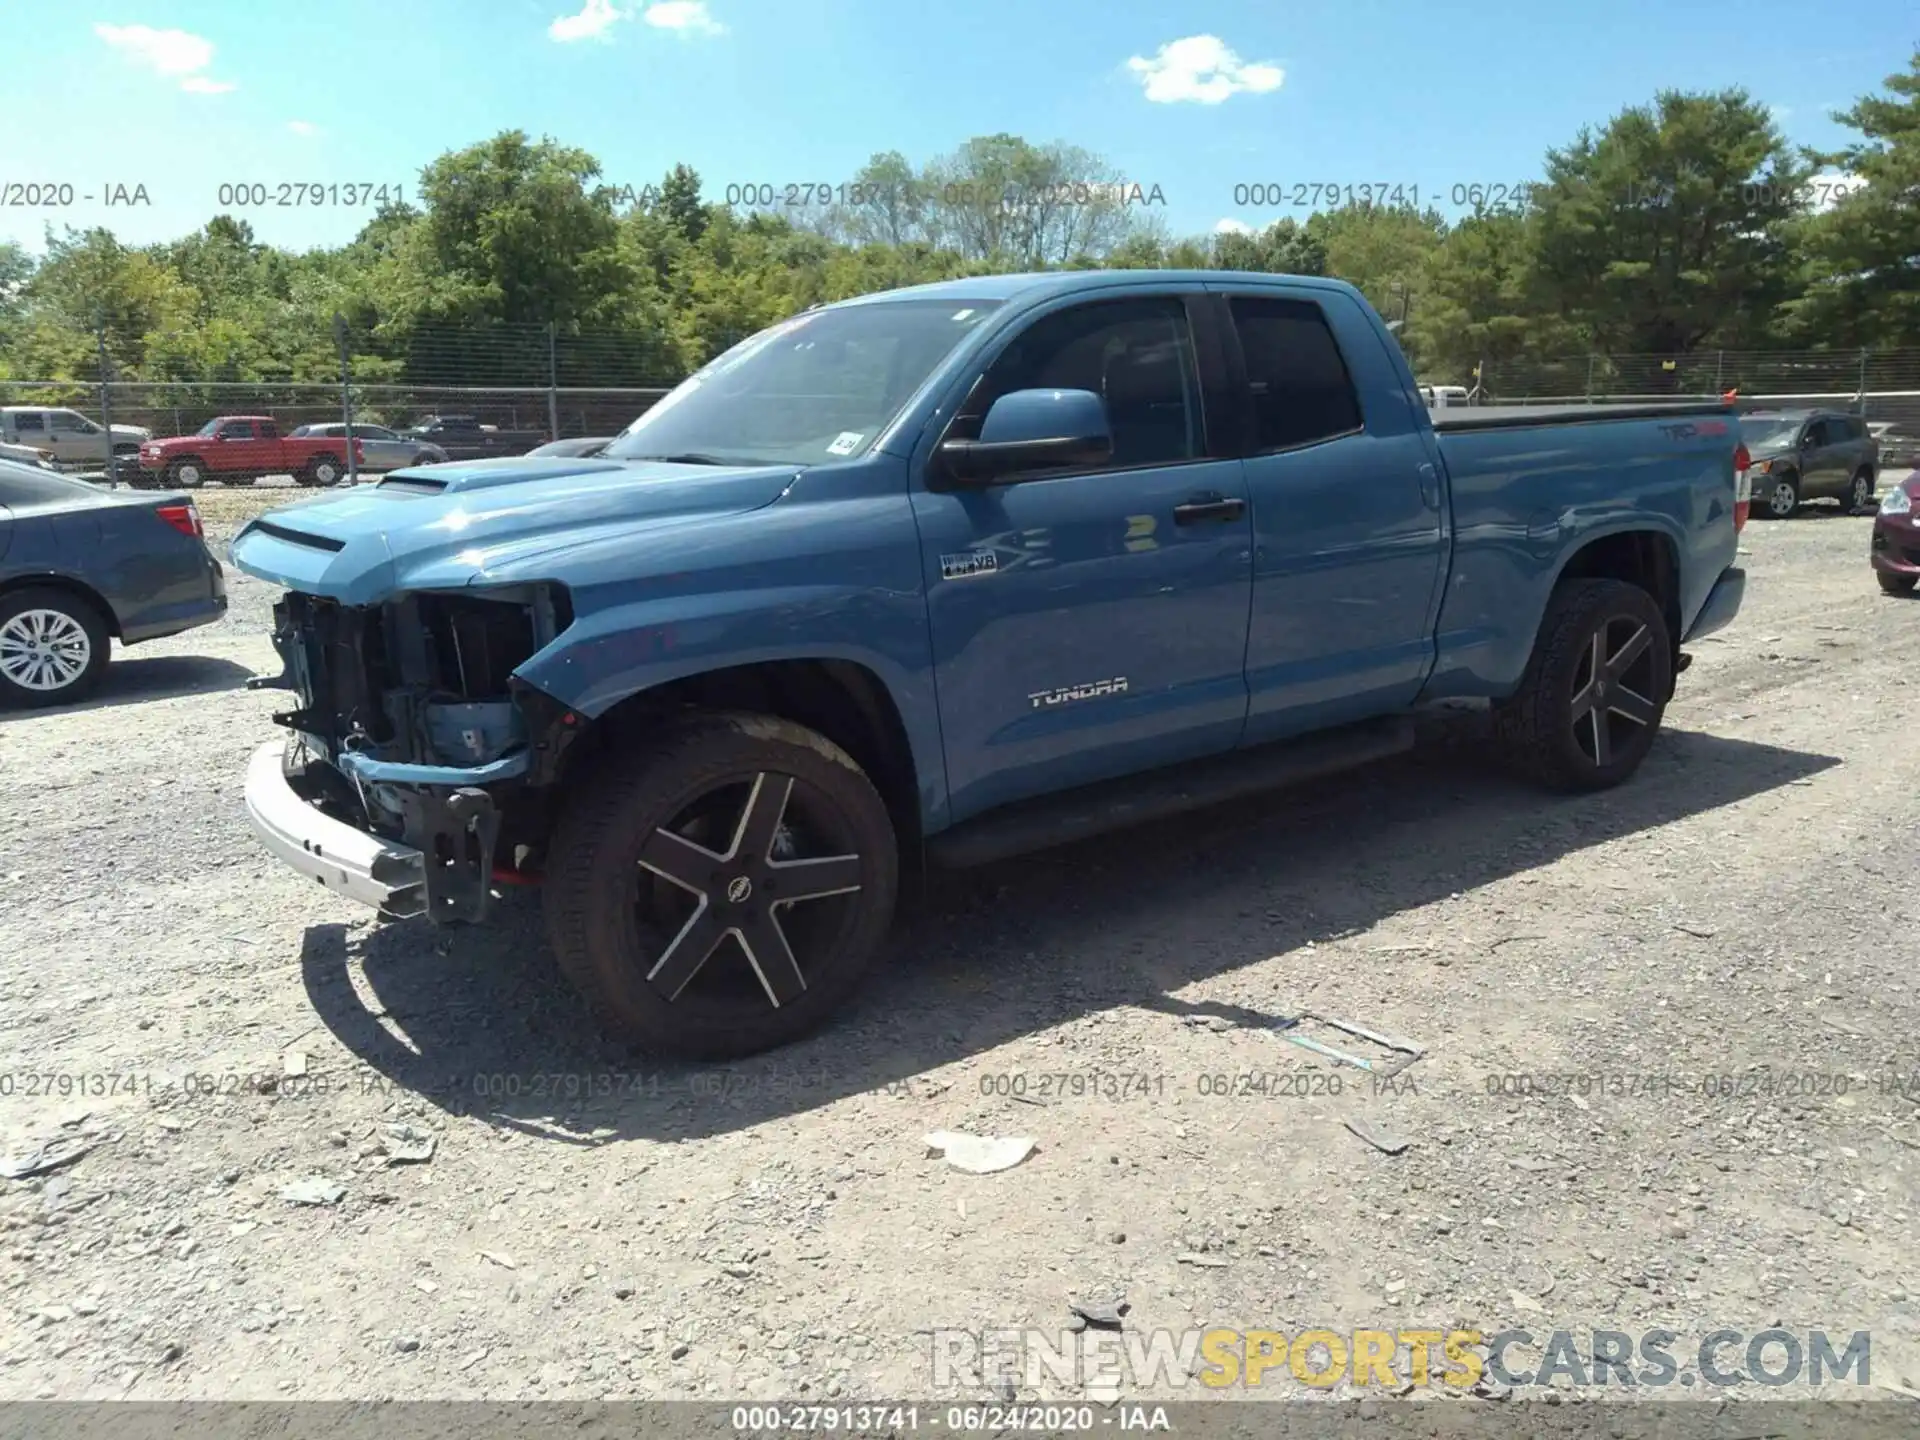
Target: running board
[{"x": 1051, "y": 820}]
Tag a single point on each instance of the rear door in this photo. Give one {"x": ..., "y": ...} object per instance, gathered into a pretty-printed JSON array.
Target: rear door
[
  {"x": 1823, "y": 460},
  {"x": 1348, "y": 528},
  {"x": 1092, "y": 622}
]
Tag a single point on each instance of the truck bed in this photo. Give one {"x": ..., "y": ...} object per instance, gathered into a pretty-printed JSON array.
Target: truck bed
[{"x": 1520, "y": 417}]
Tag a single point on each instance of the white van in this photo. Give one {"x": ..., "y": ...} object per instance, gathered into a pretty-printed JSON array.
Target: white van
[{"x": 1441, "y": 397}]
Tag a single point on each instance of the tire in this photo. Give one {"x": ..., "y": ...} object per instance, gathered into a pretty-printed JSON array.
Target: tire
[
  {"x": 1551, "y": 726},
  {"x": 1859, "y": 492},
  {"x": 1896, "y": 584},
  {"x": 53, "y": 647},
  {"x": 1779, "y": 498},
  {"x": 423, "y": 459},
  {"x": 322, "y": 470},
  {"x": 623, "y": 931},
  {"x": 189, "y": 472}
]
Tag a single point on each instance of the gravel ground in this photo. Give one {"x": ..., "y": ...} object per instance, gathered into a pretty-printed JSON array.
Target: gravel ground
[{"x": 588, "y": 1226}]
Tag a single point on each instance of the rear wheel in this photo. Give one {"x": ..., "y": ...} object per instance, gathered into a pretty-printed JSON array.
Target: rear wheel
[
  {"x": 186, "y": 474},
  {"x": 425, "y": 459},
  {"x": 724, "y": 894},
  {"x": 53, "y": 647},
  {"x": 1859, "y": 491},
  {"x": 1590, "y": 703},
  {"x": 1896, "y": 584},
  {"x": 321, "y": 470},
  {"x": 1780, "y": 497}
]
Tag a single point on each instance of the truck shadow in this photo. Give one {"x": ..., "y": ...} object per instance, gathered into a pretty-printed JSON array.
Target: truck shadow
[{"x": 986, "y": 957}]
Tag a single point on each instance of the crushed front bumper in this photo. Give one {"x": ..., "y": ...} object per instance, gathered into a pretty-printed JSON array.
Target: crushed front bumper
[{"x": 382, "y": 873}]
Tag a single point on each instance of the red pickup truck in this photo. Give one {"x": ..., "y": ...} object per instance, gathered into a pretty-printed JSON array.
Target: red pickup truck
[{"x": 244, "y": 447}]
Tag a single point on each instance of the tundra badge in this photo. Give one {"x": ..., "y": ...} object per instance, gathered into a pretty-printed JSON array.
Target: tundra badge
[{"x": 1092, "y": 690}]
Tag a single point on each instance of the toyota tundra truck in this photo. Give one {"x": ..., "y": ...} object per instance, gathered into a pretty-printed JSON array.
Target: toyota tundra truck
[{"x": 953, "y": 573}]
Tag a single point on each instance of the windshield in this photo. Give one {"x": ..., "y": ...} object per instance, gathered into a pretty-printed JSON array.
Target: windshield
[
  {"x": 209, "y": 428},
  {"x": 1768, "y": 430},
  {"x": 816, "y": 388}
]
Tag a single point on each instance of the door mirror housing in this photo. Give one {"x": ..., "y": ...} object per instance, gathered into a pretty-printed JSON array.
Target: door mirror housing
[{"x": 1032, "y": 430}]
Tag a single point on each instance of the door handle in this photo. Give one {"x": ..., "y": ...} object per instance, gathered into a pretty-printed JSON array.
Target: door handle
[
  {"x": 1208, "y": 507},
  {"x": 1429, "y": 486}
]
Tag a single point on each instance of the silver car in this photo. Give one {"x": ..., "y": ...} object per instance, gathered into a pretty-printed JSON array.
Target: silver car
[{"x": 381, "y": 449}]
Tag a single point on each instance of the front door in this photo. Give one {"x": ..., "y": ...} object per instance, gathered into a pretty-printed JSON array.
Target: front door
[
  {"x": 1348, "y": 530},
  {"x": 1092, "y": 622}
]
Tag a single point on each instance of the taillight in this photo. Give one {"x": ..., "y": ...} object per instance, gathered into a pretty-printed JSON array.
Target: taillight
[
  {"x": 1742, "y": 487},
  {"x": 183, "y": 518}
]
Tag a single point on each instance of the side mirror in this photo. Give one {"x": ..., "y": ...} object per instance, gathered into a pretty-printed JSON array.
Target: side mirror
[
  {"x": 1032, "y": 430},
  {"x": 1806, "y": 441}
]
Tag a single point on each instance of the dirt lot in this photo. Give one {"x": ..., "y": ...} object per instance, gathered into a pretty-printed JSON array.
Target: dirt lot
[{"x": 589, "y": 1225}]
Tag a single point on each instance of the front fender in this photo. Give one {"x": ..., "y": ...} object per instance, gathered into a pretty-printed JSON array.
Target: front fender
[{"x": 609, "y": 655}]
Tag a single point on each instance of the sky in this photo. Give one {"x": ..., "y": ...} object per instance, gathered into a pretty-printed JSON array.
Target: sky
[{"x": 136, "y": 114}]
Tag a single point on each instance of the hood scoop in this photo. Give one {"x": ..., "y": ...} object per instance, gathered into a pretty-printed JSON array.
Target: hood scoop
[{"x": 461, "y": 477}]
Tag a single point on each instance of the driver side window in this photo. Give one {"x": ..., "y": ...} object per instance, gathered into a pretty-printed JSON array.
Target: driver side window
[
  {"x": 1137, "y": 355},
  {"x": 1816, "y": 433}
]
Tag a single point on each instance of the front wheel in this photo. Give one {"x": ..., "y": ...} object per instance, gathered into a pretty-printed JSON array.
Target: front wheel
[
  {"x": 725, "y": 893},
  {"x": 1595, "y": 688},
  {"x": 53, "y": 647},
  {"x": 186, "y": 475},
  {"x": 1780, "y": 498},
  {"x": 1859, "y": 491}
]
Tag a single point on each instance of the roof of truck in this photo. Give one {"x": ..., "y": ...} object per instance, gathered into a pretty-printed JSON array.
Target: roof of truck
[{"x": 1036, "y": 284}]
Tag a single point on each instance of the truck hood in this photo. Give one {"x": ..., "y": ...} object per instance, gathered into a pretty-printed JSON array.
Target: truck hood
[{"x": 484, "y": 521}]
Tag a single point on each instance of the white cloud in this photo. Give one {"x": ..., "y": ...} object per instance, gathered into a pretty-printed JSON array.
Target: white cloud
[
  {"x": 596, "y": 17},
  {"x": 685, "y": 17},
  {"x": 303, "y": 127},
  {"x": 175, "y": 54},
  {"x": 1233, "y": 227},
  {"x": 1203, "y": 70}
]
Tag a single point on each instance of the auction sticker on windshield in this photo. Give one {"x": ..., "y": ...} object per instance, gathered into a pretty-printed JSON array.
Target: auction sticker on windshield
[{"x": 846, "y": 443}]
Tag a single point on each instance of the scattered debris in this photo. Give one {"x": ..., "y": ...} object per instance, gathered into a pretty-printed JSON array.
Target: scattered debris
[
  {"x": 1526, "y": 1302},
  {"x": 171, "y": 1125},
  {"x": 505, "y": 1262},
  {"x": 407, "y": 1145},
  {"x": 293, "y": 1063},
  {"x": 472, "y": 1360},
  {"x": 980, "y": 1154},
  {"x": 1406, "y": 1050},
  {"x": 1511, "y": 939},
  {"x": 1699, "y": 932},
  {"x": 47, "y": 1157},
  {"x": 1524, "y": 1163},
  {"x": 1100, "y": 1314},
  {"x": 1381, "y": 1139},
  {"x": 1210, "y": 1262},
  {"x": 314, "y": 1190},
  {"x": 405, "y": 1344}
]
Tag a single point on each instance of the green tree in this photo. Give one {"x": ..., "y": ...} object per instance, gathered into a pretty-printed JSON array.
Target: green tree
[
  {"x": 1669, "y": 228},
  {"x": 1863, "y": 255}
]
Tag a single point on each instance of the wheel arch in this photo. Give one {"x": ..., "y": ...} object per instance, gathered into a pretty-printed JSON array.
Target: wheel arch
[
  {"x": 79, "y": 589},
  {"x": 842, "y": 699}
]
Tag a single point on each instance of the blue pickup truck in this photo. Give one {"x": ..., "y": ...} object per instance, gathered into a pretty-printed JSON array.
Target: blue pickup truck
[{"x": 953, "y": 573}]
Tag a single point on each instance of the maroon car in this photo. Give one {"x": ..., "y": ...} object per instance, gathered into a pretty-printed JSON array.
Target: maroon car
[{"x": 1896, "y": 537}]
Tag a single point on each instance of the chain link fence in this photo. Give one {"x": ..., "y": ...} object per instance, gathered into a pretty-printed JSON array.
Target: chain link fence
[
  {"x": 1879, "y": 384},
  {"x": 545, "y": 383}
]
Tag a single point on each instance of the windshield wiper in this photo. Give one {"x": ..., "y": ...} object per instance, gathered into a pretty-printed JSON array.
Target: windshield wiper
[{"x": 691, "y": 457}]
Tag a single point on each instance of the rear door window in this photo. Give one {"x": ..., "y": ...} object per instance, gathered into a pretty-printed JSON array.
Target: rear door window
[{"x": 1302, "y": 393}]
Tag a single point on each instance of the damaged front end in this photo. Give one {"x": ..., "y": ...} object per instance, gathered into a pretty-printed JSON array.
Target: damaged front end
[{"x": 412, "y": 726}]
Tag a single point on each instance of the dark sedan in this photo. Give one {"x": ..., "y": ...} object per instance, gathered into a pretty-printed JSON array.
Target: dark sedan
[
  {"x": 81, "y": 567},
  {"x": 1895, "y": 548}
]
